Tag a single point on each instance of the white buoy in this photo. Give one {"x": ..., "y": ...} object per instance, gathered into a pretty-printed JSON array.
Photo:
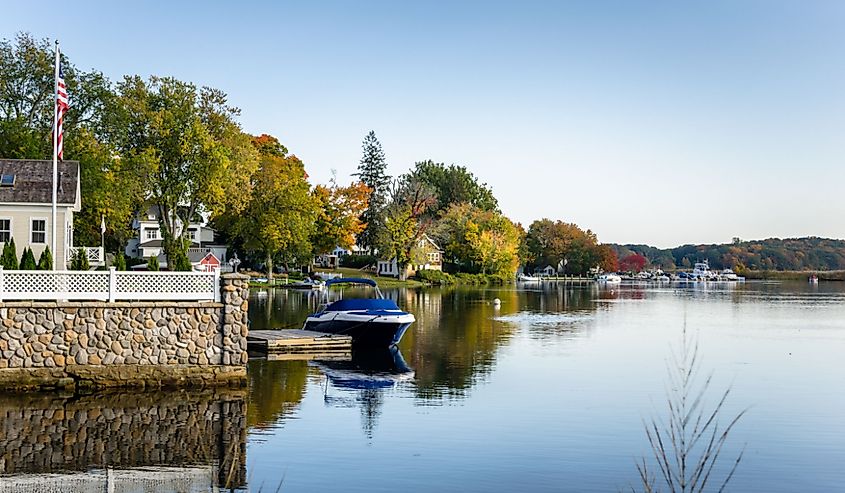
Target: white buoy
[{"x": 497, "y": 302}]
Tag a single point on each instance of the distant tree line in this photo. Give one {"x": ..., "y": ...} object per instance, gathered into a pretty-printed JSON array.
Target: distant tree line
[{"x": 797, "y": 254}]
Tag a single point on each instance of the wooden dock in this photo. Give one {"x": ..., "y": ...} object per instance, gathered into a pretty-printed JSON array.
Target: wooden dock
[{"x": 299, "y": 342}]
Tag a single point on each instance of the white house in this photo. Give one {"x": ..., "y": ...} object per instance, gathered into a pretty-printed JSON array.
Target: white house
[
  {"x": 426, "y": 254},
  {"x": 148, "y": 240},
  {"x": 26, "y": 194}
]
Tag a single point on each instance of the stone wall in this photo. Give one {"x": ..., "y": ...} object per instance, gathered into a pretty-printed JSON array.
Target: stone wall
[
  {"x": 45, "y": 434},
  {"x": 68, "y": 343}
]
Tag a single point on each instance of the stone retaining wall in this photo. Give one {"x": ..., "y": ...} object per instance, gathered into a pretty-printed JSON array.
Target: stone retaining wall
[{"x": 65, "y": 343}]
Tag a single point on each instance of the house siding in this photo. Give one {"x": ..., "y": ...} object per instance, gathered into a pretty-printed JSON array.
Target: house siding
[{"x": 21, "y": 216}]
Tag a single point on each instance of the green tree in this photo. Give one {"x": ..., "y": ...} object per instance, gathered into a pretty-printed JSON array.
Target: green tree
[
  {"x": 28, "y": 260},
  {"x": 152, "y": 264},
  {"x": 79, "y": 261},
  {"x": 278, "y": 220},
  {"x": 109, "y": 187},
  {"x": 558, "y": 243},
  {"x": 9, "y": 258},
  {"x": 405, "y": 221},
  {"x": 190, "y": 148},
  {"x": 119, "y": 262},
  {"x": 372, "y": 170},
  {"x": 45, "y": 261},
  {"x": 454, "y": 184}
]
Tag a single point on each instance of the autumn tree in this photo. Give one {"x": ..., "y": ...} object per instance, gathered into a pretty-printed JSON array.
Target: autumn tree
[
  {"x": 564, "y": 245},
  {"x": 632, "y": 263},
  {"x": 478, "y": 240},
  {"x": 372, "y": 171},
  {"x": 278, "y": 219},
  {"x": 339, "y": 212}
]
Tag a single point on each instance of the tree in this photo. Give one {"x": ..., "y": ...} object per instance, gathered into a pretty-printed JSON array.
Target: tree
[
  {"x": 558, "y": 243},
  {"x": 28, "y": 260},
  {"x": 405, "y": 220},
  {"x": 45, "y": 261},
  {"x": 79, "y": 261},
  {"x": 9, "y": 258},
  {"x": 190, "y": 148},
  {"x": 633, "y": 263},
  {"x": 478, "y": 240},
  {"x": 278, "y": 220},
  {"x": 372, "y": 170},
  {"x": 152, "y": 264},
  {"x": 110, "y": 188},
  {"x": 119, "y": 262},
  {"x": 454, "y": 184},
  {"x": 339, "y": 211}
]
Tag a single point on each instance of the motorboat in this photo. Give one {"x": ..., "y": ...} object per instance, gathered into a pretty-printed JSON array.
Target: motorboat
[
  {"x": 814, "y": 279},
  {"x": 701, "y": 271},
  {"x": 307, "y": 284},
  {"x": 373, "y": 321},
  {"x": 610, "y": 278},
  {"x": 527, "y": 278},
  {"x": 730, "y": 275}
]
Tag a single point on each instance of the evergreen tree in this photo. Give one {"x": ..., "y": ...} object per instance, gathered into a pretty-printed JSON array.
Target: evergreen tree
[
  {"x": 28, "y": 260},
  {"x": 9, "y": 259},
  {"x": 152, "y": 263},
  {"x": 80, "y": 260},
  {"x": 45, "y": 262},
  {"x": 372, "y": 171},
  {"x": 119, "y": 262}
]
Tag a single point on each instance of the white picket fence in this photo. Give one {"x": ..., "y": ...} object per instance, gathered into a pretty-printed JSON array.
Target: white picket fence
[
  {"x": 96, "y": 256},
  {"x": 109, "y": 285}
]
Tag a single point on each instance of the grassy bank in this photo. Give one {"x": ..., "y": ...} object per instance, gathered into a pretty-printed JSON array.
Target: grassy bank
[{"x": 793, "y": 275}]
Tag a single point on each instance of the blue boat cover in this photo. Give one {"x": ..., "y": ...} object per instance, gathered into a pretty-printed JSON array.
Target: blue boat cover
[
  {"x": 361, "y": 304},
  {"x": 351, "y": 280}
]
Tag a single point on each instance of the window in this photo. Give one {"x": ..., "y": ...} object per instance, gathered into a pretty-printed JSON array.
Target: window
[
  {"x": 152, "y": 234},
  {"x": 7, "y": 180},
  {"x": 5, "y": 230},
  {"x": 434, "y": 257},
  {"x": 192, "y": 234},
  {"x": 39, "y": 231}
]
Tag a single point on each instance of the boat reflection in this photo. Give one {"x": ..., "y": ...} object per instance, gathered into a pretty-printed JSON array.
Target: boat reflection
[
  {"x": 363, "y": 382},
  {"x": 372, "y": 368}
]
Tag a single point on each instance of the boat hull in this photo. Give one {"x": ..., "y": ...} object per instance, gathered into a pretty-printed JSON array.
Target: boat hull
[{"x": 368, "y": 332}]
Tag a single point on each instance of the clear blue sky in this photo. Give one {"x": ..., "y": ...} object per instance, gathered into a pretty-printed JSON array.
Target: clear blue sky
[{"x": 647, "y": 122}]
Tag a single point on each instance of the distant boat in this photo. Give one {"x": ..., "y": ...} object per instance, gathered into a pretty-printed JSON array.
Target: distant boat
[
  {"x": 525, "y": 278},
  {"x": 609, "y": 279},
  {"x": 369, "y": 321},
  {"x": 814, "y": 279},
  {"x": 307, "y": 284}
]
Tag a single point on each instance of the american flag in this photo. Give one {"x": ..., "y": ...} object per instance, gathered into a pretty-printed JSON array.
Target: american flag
[{"x": 61, "y": 109}]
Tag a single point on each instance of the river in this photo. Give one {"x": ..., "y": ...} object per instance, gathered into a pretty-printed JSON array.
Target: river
[{"x": 548, "y": 391}]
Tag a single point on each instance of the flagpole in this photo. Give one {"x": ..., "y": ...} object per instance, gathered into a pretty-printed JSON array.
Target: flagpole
[{"x": 54, "y": 252}]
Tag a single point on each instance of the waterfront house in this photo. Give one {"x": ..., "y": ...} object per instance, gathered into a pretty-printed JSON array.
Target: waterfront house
[
  {"x": 26, "y": 210},
  {"x": 149, "y": 238},
  {"x": 425, "y": 255},
  {"x": 547, "y": 271}
]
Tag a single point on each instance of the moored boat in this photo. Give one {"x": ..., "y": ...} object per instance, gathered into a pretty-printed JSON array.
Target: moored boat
[
  {"x": 609, "y": 279},
  {"x": 369, "y": 321},
  {"x": 526, "y": 278}
]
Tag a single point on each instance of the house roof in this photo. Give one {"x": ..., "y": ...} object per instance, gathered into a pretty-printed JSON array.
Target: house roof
[
  {"x": 157, "y": 244},
  {"x": 34, "y": 181}
]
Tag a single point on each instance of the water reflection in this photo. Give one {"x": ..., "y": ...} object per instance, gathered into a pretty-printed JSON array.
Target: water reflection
[
  {"x": 163, "y": 441},
  {"x": 363, "y": 380}
]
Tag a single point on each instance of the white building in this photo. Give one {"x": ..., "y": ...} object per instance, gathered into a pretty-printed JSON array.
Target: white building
[
  {"x": 26, "y": 194},
  {"x": 149, "y": 237},
  {"x": 426, "y": 255}
]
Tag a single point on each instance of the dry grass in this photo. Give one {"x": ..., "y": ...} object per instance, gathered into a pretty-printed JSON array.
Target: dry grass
[{"x": 687, "y": 444}]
